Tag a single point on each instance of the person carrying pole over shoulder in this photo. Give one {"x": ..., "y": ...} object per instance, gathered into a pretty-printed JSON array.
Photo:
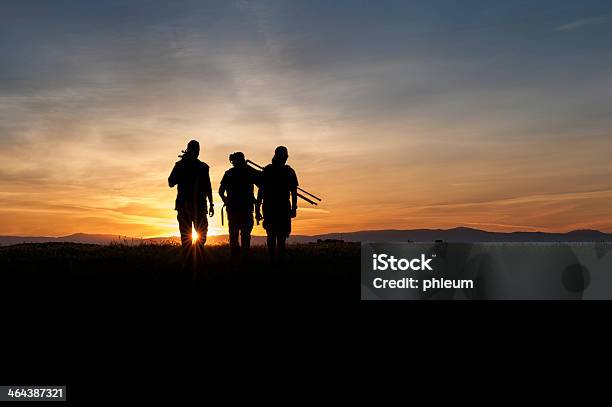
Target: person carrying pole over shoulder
[
  {"x": 278, "y": 195},
  {"x": 236, "y": 191}
]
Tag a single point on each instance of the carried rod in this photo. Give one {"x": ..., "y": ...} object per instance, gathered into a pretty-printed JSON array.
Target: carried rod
[
  {"x": 306, "y": 199},
  {"x": 309, "y": 194},
  {"x": 299, "y": 189}
]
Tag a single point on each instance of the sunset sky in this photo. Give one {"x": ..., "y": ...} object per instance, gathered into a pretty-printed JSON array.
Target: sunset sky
[{"x": 411, "y": 114}]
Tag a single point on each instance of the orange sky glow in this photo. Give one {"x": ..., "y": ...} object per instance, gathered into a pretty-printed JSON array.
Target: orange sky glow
[{"x": 430, "y": 121}]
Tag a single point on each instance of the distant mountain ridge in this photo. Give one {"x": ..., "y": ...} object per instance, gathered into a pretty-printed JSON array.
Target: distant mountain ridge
[
  {"x": 464, "y": 234},
  {"x": 459, "y": 234}
]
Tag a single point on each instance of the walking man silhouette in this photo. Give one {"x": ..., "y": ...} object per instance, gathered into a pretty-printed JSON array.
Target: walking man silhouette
[
  {"x": 193, "y": 180},
  {"x": 236, "y": 191},
  {"x": 278, "y": 183}
]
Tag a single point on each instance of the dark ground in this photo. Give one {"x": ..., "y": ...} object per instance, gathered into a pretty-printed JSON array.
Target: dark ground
[
  {"x": 118, "y": 323},
  {"x": 80, "y": 314},
  {"x": 83, "y": 271}
]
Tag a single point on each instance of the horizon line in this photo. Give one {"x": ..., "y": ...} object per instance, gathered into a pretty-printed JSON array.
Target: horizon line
[{"x": 314, "y": 235}]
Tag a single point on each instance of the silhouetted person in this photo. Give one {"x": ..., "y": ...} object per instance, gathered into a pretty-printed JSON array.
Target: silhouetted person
[
  {"x": 193, "y": 180},
  {"x": 278, "y": 183},
  {"x": 238, "y": 183}
]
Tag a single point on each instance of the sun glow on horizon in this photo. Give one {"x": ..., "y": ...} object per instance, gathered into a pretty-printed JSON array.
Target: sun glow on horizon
[{"x": 194, "y": 236}]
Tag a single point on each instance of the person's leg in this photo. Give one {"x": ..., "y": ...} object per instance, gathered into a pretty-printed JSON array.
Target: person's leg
[
  {"x": 268, "y": 225},
  {"x": 281, "y": 245},
  {"x": 271, "y": 245},
  {"x": 233, "y": 235},
  {"x": 245, "y": 234},
  {"x": 184, "y": 221},
  {"x": 201, "y": 225},
  {"x": 283, "y": 234}
]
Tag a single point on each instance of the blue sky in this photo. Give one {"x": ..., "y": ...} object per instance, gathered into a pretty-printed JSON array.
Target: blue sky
[{"x": 402, "y": 114}]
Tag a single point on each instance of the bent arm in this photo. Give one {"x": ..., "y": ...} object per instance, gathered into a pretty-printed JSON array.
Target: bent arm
[{"x": 173, "y": 178}]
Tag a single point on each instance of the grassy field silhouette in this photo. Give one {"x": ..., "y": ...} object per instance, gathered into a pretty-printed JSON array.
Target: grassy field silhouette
[{"x": 327, "y": 269}]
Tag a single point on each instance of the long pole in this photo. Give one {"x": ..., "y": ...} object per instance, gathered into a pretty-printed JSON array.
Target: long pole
[{"x": 310, "y": 201}]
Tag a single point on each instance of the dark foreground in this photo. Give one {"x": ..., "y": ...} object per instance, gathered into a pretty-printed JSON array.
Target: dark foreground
[
  {"x": 70, "y": 270},
  {"x": 71, "y": 308}
]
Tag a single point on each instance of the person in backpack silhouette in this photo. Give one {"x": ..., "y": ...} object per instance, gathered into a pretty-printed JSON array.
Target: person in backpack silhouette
[
  {"x": 278, "y": 184},
  {"x": 236, "y": 191},
  {"x": 193, "y": 180}
]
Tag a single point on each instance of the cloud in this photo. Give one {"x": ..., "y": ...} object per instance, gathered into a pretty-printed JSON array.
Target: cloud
[
  {"x": 584, "y": 22},
  {"x": 383, "y": 109}
]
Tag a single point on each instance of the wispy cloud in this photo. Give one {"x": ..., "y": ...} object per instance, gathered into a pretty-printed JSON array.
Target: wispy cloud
[{"x": 574, "y": 25}]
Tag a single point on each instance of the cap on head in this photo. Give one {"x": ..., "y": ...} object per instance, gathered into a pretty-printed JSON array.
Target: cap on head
[
  {"x": 280, "y": 155},
  {"x": 281, "y": 151},
  {"x": 236, "y": 158}
]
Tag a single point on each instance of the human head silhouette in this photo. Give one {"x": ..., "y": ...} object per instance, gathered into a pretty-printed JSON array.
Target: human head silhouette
[
  {"x": 193, "y": 149},
  {"x": 280, "y": 155},
  {"x": 237, "y": 159}
]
